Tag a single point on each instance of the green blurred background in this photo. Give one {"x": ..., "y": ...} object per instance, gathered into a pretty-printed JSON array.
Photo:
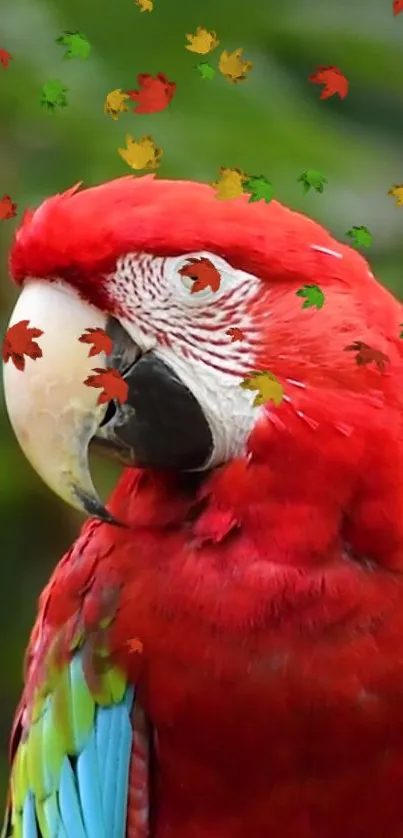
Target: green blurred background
[{"x": 272, "y": 124}]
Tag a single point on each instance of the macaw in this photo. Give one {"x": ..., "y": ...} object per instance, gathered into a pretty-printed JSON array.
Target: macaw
[{"x": 220, "y": 653}]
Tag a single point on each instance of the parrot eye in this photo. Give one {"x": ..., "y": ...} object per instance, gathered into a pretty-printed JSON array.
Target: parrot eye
[{"x": 188, "y": 281}]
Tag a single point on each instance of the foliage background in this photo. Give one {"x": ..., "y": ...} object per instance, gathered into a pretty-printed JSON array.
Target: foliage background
[{"x": 274, "y": 123}]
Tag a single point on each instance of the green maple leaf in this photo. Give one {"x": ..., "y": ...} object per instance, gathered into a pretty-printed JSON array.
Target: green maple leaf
[
  {"x": 312, "y": 179},
  {"x": 54, "y": 95},
  {"x": 259, "y": 188},
  {"x": 206, "y": 70},
  {"x": 314, "y": 296},
  {"x": 77, "y": 43},
  {"x": 360, "y": 236}
]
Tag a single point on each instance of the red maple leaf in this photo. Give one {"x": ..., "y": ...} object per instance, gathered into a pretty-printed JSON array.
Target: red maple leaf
[
  {"x": 155, "y": 94},
  {"x": 18, "y": 342},
  {"x": 112, "y": 384},
  {"x": 5, "y": 57},
  {"x": 397, "y": 6},
  {"x": 235, "y": 334},
  {"x": 333, "y": 80},
  {"x": 204, "y": 274},
  {"x": 7, "y": 208},
  {"x": 101, "y": 342}
]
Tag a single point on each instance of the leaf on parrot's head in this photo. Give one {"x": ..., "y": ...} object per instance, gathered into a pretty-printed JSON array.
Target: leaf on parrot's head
[
  {"x": 233, "y": 67},
  {"x": 115, "y": 103},
  {"x": 206, "y": 70},
  {"x": 155, "y": 93},
  {"x": 202, "y": 41},
  {"x": 143, "y": 154},
  {"x": 201, "y": 274},
  {"x": 312, "y": 179},
  {"x": 229, "y": 184},
  {"x": 259, "y": 188},
  {"x": 360, "y": 236},
  {"x": 397, "y": 6},
  {"x": 267, "y": 385},
  {"x": 5, "y": 57},
  {"x": 145, "y": 5},
  {"x": 101, "y": 342},
  {"x": 313, "y": 295},
  {"x": 19, "y": 342},
  {"x": 111, "y": 383},
  {"x": 7, "y": 208},
  {"x": 397, "y": 192},
  {"x": 54, "y": 95},
  {"x": 366, "y": 354},
  {"x": 235, "y": 333},
  {"x": 78, "y": 45},
  {"x": 333, "y": 79}
]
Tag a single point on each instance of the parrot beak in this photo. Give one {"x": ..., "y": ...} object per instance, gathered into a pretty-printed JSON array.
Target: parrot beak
[{"x": 53, "y": 413}]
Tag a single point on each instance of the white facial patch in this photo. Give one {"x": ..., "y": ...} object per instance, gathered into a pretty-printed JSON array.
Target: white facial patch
[{"x": 189, "y": 332}]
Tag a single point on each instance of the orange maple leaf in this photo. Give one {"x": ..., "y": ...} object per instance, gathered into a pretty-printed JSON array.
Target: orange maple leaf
[
  {"x": 235, "y": 333},
  {"x": 112, "y": 384},
  {"x": 7, "y": 208},
  {"x": 203, "y": 273},
  {"x": 135, "y": 645},
  {"x": 155, "y": 93},
  {"x": 397, "y": 6},
  {"x": 333, "y": 80},
  {"x": 5, "y": 57},
  {"x": 18, "y": 342},
  {"x": 101, "y": 342}
]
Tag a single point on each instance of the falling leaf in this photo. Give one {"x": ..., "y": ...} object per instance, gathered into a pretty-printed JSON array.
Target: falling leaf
[
  {"x": 397, "y": 6},
  {"x": 115, "y": 103},
  {"x": 155, "y": 94},
  {"x": 203, "y": 273},
  {"x": 143, "y": 154},
  {"x": 312, "y": 179},
  {"x": 259, "y": 188},
  {"x": 397, "y": 192},
  {"x": 145, "y": 5},
  {"x": 206, "y": 70},
  {"x": 314, "y": 296},
  {"x": 366, "y": 354},
  {"x": 360, "y": 236},
  {"x": 202, "y": 41},
  {"x": 5, "y": 57},
  {"x": 229, "y": 184},
  {"x": 232, "y": 67},
  {"x": 77, "y": 43},
  {"x": 111, "y": 382},
  {"x": 19, "y": 342},
  {"x": 235, "y": 334},
  {"x": 135, "y": 645},
  {"x": 7, "y": 208},
  {"x": 54, "y": 95},
  {"x": 267, "y": 385},
  {"x": 333, "y": 80},
  {"x": 101, "y": 342}
]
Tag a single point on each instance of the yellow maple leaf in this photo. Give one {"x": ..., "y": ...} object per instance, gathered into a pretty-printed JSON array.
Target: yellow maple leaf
[
  {"x": 202, "y": 41},
  {"x": 115, "y": 103},
  {"x": 397, "y": 192},
  {"x": 143, "y": 154},
  {"x": 266, "y": 384},
  {"x": 229, "y": 184},
  {"x": 145, "y": 5},
  {"x": 232, "y": 66}
]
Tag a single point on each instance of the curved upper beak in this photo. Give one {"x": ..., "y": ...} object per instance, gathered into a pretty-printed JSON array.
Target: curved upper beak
[{"x": 53, "y": 413}]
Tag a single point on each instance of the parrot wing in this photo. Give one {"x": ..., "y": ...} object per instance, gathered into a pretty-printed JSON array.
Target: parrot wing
[{"x": 79, "y": 743}]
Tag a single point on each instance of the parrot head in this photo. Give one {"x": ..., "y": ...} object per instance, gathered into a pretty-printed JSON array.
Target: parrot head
[{"x": 131, "y": 258}]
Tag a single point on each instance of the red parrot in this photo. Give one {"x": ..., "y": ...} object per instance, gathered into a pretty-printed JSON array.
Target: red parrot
[{"x": 220, "y": 654}]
